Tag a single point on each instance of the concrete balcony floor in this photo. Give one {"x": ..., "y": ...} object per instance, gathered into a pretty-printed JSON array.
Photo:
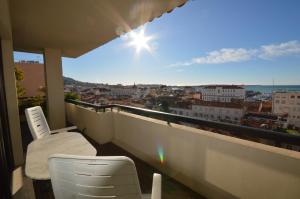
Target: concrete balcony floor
[{"x": 171, "y": 189}]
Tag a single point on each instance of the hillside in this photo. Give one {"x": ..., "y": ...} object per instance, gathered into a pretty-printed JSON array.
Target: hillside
[{"x": 71, "y": 81}]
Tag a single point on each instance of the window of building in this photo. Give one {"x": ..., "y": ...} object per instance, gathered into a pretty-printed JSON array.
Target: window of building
[
  {"x": 292, "y": 97},
  {"x": 282, "y": 101}
]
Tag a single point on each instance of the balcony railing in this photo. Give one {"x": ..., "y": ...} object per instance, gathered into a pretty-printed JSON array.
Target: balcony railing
[
  {"x": 245, "y": 132},
  {"x": 214, "y": 165}
]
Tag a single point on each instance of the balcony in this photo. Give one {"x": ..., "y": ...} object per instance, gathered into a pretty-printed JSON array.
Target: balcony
[
  {"x": 195, "y": 163},
  {"x": 171, "y": 188}
]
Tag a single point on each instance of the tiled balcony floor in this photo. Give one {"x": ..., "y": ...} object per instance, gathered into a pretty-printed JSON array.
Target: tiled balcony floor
[{"x": 171, "y": 189}]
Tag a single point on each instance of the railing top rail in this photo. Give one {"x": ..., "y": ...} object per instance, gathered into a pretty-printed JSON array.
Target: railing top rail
[{"x": 278, "y": 137}]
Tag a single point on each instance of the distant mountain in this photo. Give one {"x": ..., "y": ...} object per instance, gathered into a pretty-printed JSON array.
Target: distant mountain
[{"x": 71, "y": 81}]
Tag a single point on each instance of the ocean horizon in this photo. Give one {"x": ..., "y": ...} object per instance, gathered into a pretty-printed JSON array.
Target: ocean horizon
[{"x": 272, "y": 88}]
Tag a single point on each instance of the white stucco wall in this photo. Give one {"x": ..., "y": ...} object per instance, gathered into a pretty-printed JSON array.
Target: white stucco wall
[{"x": 98, "y": 126}]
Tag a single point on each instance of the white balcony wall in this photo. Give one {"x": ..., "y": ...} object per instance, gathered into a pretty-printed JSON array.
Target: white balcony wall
[
  {"x": 98, "y": 126},
  {"x": 214, "y": 165}
]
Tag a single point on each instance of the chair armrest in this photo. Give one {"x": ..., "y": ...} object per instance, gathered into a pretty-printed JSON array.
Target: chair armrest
[
  {"x": 63, "y": 129},
  {"x": 156, "y": 186}
]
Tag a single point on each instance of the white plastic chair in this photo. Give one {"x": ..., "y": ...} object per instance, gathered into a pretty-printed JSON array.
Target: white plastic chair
[
  {"x": 91, "y": 177},
  {"x": 38, "y": 124}
]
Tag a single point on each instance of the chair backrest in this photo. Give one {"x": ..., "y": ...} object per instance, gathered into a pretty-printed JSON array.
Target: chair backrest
[
  {"x": 91, "y": 177},
  {"x": 37, "y": 122}
]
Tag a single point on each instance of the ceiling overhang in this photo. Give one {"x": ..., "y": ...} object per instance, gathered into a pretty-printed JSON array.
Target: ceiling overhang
[{"x": 78, "y": 26}]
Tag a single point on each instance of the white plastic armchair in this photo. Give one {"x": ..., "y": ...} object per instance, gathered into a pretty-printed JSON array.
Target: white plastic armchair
[
  {"x": 91, "y": 177},
  {"x": 38, "y": 124}
]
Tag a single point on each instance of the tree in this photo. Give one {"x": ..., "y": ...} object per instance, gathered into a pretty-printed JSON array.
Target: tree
[
  {"x": 164, "y": 106},
  {"x": 72, "y": 96},
  {"x": 19, "y": 77}
]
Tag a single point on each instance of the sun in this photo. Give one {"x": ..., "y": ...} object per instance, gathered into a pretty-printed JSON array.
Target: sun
[{"x": 139, "y": 40}]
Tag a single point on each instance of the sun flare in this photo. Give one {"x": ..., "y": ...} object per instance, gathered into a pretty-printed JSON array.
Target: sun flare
[{"x": 139, "y": 40}]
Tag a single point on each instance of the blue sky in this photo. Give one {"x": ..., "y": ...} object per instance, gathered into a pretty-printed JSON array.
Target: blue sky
[{"x": 203, "y": 42}]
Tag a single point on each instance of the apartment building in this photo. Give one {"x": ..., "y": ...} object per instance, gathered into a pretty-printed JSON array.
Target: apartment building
[
  {"x": 219, "y": 111},
  {"x": 34, "y": 77},
  {"x": 287, "y": 103},
  {"x": 101, "y": 91},
  {"x": 216, "y": 111},
  {"x": 223, "y": 93},
  {"x": 182, "y": 111},
  {"x": 141, "y": 92},
  {"x": 120, "y": 91}
]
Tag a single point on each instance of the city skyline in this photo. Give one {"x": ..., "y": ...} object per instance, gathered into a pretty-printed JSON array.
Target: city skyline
[{"x": 200, "y": 44}]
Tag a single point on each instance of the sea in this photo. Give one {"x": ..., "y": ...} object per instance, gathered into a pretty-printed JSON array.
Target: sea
[{"x": 271, "y": 88}]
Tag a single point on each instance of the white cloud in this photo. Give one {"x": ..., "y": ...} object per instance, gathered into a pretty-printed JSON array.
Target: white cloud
[
  {"x": 283, "y": 49},
  {"x": 225, "y": 55},
  {"x": 180, "y": 64},
  {"x": 231, "y": 55}
]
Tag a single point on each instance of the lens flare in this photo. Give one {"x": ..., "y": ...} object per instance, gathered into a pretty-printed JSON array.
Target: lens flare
[{"x": 160, "y": 152}]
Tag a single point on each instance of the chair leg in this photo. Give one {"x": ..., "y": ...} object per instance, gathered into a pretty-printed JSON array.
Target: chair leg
[{"x": 43, "y": 189}]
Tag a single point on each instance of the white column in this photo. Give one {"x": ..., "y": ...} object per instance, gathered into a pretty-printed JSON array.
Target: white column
[
  {"x": 12, "y": 101},
  {"x": 55, "y": 88}
]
